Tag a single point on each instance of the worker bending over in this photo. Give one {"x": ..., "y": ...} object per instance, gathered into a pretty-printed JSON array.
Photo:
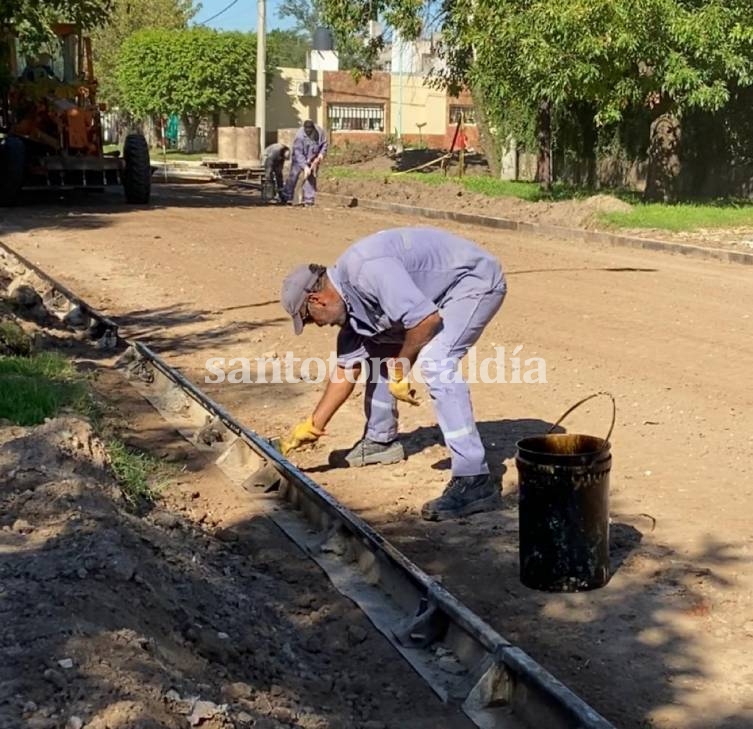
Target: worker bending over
[{"x": 404, "y": 296}]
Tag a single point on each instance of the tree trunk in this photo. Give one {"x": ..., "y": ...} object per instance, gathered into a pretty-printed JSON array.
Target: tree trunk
[
  {"x": 663, "y": 176},
  {"x": 590, "y": 138},
  {"x": 487, "y": 137},
  {"x": 191, "y": 125},
  {"x": 544, "y": 141}
]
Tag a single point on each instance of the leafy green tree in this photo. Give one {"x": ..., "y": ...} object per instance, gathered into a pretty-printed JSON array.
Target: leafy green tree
[
  {"x": 529, "y": 59},
  {"x": 32, "y": 19},
  {"x": 308, "y": 15},
  {"x": 125, "y": 18},
  {"x": 287, "y": 48},
  {"x": 194, "y": 73}
]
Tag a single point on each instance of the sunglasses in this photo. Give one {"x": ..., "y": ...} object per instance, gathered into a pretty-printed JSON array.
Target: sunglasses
[{"x": 304, "y": 312}]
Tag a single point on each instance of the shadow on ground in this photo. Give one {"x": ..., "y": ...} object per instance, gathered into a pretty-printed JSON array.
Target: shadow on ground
[
  {"x": 140, "y": 605},
  {"x": 82, "y": 210}
]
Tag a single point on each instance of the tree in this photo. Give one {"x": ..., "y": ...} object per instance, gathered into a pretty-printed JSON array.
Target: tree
[
  {"x": 127, "y": 17},
  {"x": 530, "y": 59},
  {"x": 193, "y": 73},
  {"x": 287, "y": 48},
  {"x": 308, "y": 15},
  {"x": 32, "y": 19}
]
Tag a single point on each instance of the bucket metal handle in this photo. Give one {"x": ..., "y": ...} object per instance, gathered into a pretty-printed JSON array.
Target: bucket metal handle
[{"x": 586, "y": 399}]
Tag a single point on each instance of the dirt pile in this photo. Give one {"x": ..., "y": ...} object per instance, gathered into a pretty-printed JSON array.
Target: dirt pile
[
  {"x": 452, "y": 196},
  {"x": 113, "y": 620}
]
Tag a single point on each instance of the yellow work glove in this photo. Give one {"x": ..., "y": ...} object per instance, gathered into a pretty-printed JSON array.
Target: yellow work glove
[
  {"x": 400, "y": 387},
  {"x": 304, "y": 432}
]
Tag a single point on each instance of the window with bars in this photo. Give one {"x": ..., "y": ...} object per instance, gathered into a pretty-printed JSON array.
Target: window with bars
[
  {"x": 467, "y": 112},
  {"x": 356, "y": 117}
]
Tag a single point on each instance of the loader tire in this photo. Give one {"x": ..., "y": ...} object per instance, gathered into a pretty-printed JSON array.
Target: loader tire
[
  {"x": 137, "y": 176},
  {"x": 12, "y": 168}
]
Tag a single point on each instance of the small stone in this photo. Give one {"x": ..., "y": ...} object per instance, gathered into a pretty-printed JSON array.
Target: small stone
[
  {"x": 76, "y": 318},
  {"x": 449, "y": 665},
  {"x": 226, "y": 535},
  {"x": 223, "y": 636},
  {"x": 66, "y": 663},
  {"x": 356, "y": 634},
  {"x": 172, "y": 695},
  {"x": 269, "y": 355},
  {"x": 22, "y": 526},
  {"x": 203, "y": 710},
  {"x": 40, "y": 722},
  {"x": 195, "y": 494},
  {"x": 245, "y": 718},
  {"x": 75, "y": 722},
  {"x": 24, "y": 295},
  {"x": 81, "y": 573},
  {"x": 166, "y": 520},
  {"x": 55, "y": 678},
  {"x": 123, "y": 567},
  {"x": 305, "y": 600},
  {"x": 29, "y": 707},
  {"x": 237, "y": 690}
]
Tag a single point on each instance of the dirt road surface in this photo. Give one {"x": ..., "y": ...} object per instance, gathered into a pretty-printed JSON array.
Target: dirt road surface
[{"x": 667, "y": 643}]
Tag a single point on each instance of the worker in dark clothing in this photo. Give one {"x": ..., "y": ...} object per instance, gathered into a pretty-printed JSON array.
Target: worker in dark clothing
[
  {"x": 309, "y": 149},
  {"x": 275, "y": 156}
]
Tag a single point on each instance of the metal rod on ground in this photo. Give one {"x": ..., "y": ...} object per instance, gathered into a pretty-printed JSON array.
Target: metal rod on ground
[
  {"x": 426, "y": 164},
  {"x": 461, "y": 151},
  {"x": 261, "y": 75},
  {"x": 164, "y": 145}
]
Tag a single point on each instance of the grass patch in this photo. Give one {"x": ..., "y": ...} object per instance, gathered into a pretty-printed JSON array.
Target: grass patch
[
  {"x": 480, "y": 184},
  {"x": 683, "y": 216},
  {"x": 13, "y": 339},
  {"x": 140, "y": 475},
  {"x": 502, "y": 188},
  {"x": 38, "y": 387},
  {"x": 173, "y": 155},
  {"x": 157, "y": 154},
  {"x": 346, "y": 172},
  {"x": 43, "y": 385},
  {"x": 44, "y": 364},
  {"x": 726, "y": 213}
]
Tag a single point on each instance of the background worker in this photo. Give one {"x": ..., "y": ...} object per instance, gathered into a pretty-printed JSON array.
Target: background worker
[
  {"x": 405, "y": 295},
  {"x": 309, "y": 150},
  {"x": 275, "y": 156}
]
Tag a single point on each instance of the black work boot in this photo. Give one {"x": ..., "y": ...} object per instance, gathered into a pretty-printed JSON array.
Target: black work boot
[
  {"x": 464, "y": 495},
  {"x": 369, "y": 453}
]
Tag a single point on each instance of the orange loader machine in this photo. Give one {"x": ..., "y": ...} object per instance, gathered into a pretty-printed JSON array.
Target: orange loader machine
[{"x": 51, "y": 125}]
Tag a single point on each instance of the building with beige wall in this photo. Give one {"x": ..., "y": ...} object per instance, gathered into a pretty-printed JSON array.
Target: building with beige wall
[
  {"x": 416, "y": 109},
  {"x": 295, "y": 97},
  {"x": 368, "y": 110}
]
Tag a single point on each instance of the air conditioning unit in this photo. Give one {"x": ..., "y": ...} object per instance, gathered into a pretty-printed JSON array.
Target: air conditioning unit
[{"x": 307, "y": 88}]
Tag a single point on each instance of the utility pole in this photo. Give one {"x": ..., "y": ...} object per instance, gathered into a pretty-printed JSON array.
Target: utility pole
[{"x": 261, "y": 74}]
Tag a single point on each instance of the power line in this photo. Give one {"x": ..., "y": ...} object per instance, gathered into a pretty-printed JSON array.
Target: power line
[{"x": 217, "y": 15}]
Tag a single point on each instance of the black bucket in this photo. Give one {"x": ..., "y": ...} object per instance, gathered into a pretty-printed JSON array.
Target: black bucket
[{"x": 563, "y": 492}]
